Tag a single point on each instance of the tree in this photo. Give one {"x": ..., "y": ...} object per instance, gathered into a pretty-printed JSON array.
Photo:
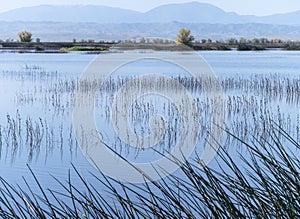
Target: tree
[
  {"x": 25, "y": 36},
  {"x": 243, "y": 40},
  {"x": 255, "y": 41},
  {"x": 203, "y": 41},
  {"x": 8, "y": 40},
  {"x": 184, "y": 37},
  {"x": 232, "y": 41},
  {"x": 263, "y": 40},
  {"x": 142, "y": 40},
  {"x": 276, "y": 40}
]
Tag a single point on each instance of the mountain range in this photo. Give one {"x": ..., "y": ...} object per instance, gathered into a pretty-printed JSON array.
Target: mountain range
[
  {"x": 67, "y": 31},
  {"x": 63, "y": 23},
  {"x": 192, "y": 12}
]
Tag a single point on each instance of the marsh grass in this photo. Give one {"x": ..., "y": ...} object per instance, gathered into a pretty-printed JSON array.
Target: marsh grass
[
  {"x": 262, "y": 181},
  {"x": 34, "y": 137},
  {"x": 266, "y": 184},
  {"x": 84, "y": 48}
]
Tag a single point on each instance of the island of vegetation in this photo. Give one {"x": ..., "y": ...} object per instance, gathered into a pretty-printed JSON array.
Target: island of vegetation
[{"x": 25, "y": 43}]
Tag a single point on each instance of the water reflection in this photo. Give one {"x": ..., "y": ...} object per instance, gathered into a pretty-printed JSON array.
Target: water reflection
[
  {"x": 40, "y": 123},
  {"x": 251, "y": 104}
]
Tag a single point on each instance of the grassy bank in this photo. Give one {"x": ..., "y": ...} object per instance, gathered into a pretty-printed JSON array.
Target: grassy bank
[
  {"x": 54, "y": 46},
  {"x": 84, "y": 48},
  {"x": 98, "y": 47}
]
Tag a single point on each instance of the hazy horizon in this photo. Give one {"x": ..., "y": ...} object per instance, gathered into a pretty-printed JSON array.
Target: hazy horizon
[{"x": 242, "y": 7}]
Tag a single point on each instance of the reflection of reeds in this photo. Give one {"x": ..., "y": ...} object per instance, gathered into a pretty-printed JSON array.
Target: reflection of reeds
[
  {"x": 250, "y": 101},
  {"x": 31, "y": 73},
  {"x": 271, "y": 87},
  {"x": 33, "y": 137},
  {"x": 262, "y": 184}
]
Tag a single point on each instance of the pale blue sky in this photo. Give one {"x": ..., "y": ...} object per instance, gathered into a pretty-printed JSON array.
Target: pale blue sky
[{"x": 257, "y": 7}]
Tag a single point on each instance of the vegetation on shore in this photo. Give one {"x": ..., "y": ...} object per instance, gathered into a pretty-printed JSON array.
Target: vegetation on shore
[
  {"x": 84, "y": 48},
  {"x": 184, "y": 36},
  {"x": 170, "y": 46},
  {"x": 25, "y": 36},
  {"x": 248, "y": 47},
  {"x": 55, "y": 47}
]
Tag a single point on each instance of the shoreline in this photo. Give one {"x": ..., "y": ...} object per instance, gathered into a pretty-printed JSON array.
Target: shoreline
[{"x": 97, "y": 48}]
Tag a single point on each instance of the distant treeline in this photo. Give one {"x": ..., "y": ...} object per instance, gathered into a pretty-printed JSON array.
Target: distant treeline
[
  {"x": 232, "y": 43},
  {"x": 56, "y": 46},
  {"x": 153, "y": 43}
]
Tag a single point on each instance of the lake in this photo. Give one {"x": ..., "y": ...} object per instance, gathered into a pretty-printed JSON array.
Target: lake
[{"x": 37, "y": 109}]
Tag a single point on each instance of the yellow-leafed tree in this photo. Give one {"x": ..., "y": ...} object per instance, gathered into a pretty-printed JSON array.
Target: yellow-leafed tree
[
  {"x": 25, "y": 36},
  {"x": 184, "y": 37}
]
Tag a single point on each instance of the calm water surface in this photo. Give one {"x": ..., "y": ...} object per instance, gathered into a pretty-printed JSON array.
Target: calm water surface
[{"x": 36, "y": 93}]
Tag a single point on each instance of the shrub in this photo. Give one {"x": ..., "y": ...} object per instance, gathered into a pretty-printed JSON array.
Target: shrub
[
  {"x": 25, "y": 36},
  {"x": 184, "y": 37}
]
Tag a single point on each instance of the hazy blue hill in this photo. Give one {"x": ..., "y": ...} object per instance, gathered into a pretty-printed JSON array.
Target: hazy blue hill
[
  {"x": 63, "y": 23},
  {"x": 192, "y": 12},
  {"x": 292, "y": 18},
  {"x": 66, "y": 31},
  {"x": 78, "y": 13}
]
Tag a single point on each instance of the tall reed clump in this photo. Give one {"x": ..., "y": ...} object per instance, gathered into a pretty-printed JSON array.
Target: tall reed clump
[
  {"x": 263, "y": 184},
  {"x": 34, "y": 138}
]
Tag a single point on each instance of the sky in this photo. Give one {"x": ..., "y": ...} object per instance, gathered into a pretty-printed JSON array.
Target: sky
[{"x": 253, "y": 7}]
